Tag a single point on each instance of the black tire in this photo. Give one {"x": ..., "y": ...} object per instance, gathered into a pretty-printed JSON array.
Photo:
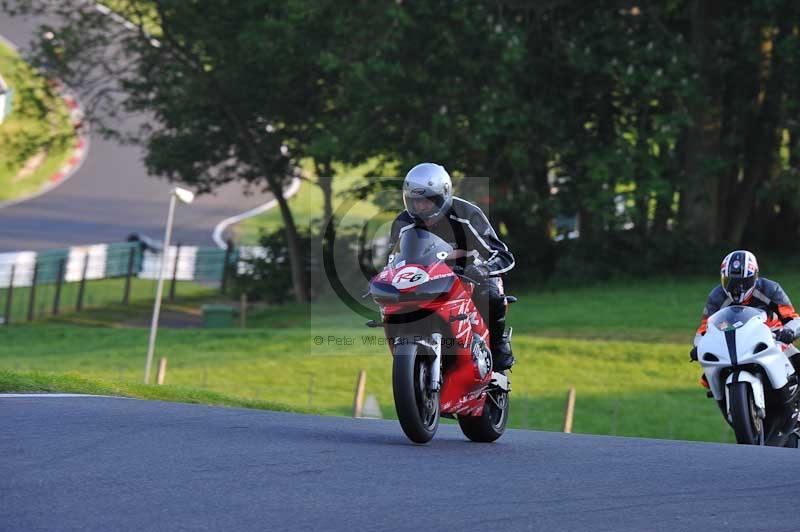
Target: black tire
[
  {"x": 747, "y": 426},
  {"x": 491, "y": 424},
  {"x": 417, "y": 407}
]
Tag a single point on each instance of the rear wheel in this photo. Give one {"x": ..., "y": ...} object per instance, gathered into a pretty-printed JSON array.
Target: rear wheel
[
  {"x": 416, "y": 405},
  {"x": 748, "y": 427},
  {"x": 491, "y": 424}
]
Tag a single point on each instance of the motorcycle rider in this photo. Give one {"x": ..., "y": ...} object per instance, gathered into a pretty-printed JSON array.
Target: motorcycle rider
[
  {"x": 430, "y": 204},
  {"x": 740, "y": 284}
]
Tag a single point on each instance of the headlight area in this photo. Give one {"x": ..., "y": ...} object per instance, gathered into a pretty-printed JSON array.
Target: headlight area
[{"x": 384, "y": 293}]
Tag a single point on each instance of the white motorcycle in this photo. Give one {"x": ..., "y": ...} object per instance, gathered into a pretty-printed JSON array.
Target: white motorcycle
[{"x": 751, "y": 377}]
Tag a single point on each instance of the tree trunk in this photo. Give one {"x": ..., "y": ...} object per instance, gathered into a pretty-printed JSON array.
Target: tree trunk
[
  {"x": 325, "y": 182},
  {"x": 665, "y": 200},
  {"x": 699, "y": 198},
  {"x": 763, "y": 145},
  {"x": 296, "y": 255},
  {"x": 643, "y": 182}
]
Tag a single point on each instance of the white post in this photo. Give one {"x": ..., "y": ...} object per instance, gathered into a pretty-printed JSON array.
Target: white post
[
  {"x": 358, "y": 405},
  {"x": 159, "y": 291},
  {"x": 570, "y": 410}
]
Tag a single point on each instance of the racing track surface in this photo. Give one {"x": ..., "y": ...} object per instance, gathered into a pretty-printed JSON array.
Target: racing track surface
[
  {"x": 110, "y": 196},
  {"x": 90, "y": 463}
]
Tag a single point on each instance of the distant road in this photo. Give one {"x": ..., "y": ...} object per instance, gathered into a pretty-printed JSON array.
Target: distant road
[
  {"x": 99, "y": 464},
  {"x": 110, "y": 196}
]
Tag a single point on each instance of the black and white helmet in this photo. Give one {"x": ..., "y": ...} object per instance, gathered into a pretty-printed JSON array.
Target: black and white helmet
[
  {"x": 427, "y": 192},
  {"x": 738, "y": 275}
]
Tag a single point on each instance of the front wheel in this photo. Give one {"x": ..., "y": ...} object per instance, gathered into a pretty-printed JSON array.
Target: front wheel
[
  {"x": 416, "y": 405},
  {"x": 747, "y": 426},
  {"x": 491, "y": 424}
]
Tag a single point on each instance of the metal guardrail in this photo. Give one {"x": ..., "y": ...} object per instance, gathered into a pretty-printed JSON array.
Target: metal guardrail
[
  {"x": 31, "y": 283},
  {"x": 6, "y": 98}
]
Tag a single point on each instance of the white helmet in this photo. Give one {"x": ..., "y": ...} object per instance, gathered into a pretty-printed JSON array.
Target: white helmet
[
  {"x": 427, "y": 192},
  {"x": 738, "y": 275}
]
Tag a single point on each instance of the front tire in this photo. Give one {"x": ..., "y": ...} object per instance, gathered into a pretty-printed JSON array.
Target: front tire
[
  {"x": 417, "y": 407},
  {"x": 491, "y": 424},
  {"x": 747, "y": 426}
]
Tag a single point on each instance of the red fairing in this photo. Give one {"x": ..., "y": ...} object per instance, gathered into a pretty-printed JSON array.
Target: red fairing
[{"x": 463, "y": 390}]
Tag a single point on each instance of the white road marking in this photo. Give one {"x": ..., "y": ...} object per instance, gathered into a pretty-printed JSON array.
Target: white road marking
[{"x": 220, "y": 228}]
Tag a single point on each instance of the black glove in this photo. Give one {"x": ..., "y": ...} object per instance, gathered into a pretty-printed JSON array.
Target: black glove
[
  {"x": 784, "y": 335},
  {"x": 476, "y": 273},
  {"x": 693, "y": 354}
]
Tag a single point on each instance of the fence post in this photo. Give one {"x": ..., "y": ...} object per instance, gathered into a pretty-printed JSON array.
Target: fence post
[
  {"x": 126, "y": 297},
  {"x": 570, "y": 410},
  {"x": 174, "y": 272},
  {"x": 162, "y": 371},
  {"x": 82, "y": 286},
  {"x": 59, "y": 281},
  {"x": 32, "y": 299},
  {"x": 10, "y": 295},
  {"x": 226, "y": 266},
  {"x": 358, "y": 404}
]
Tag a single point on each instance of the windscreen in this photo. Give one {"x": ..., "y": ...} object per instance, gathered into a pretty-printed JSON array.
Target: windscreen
[
  {"x": 733, "y": 317},
  {"x": 418, "y": 246}
]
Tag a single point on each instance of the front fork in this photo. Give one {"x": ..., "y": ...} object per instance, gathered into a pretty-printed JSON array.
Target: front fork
[{"x": 435, "y": 347}]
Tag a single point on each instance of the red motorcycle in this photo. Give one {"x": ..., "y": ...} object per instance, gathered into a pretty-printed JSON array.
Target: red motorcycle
[{"x": 442, "y": 364}]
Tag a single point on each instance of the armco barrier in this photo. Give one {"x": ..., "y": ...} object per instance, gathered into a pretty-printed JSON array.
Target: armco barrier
[
  {"x": 6, "y": 96},
  {"x": 37, "y": 283}
]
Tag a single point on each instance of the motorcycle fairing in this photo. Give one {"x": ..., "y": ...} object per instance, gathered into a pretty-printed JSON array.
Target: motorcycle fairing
[
  {"x": 463, "y": 390},
  {"x": 738, "y": 336}
]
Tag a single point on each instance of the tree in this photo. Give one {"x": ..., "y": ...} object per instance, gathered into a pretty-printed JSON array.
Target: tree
[
  {"x": 672, "y": 122},
  {"x": 228, "y": 88}
]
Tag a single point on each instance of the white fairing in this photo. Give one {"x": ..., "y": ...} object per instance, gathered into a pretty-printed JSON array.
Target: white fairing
[
  {"x": 755, "y": 385},
  {"x": 740, "y": 342}
]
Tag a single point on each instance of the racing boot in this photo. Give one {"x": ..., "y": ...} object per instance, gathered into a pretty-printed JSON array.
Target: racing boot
[{"x": 501, "y": 353}]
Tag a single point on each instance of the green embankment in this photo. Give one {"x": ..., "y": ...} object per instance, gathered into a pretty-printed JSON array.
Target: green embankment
[
  {"x": 35, "y": 382},
  {"x": 622, "y": 345},
  {"x": 28, "y": 131}
]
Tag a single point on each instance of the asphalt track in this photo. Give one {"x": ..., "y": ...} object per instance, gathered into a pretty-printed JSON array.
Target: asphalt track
[
  {"x": 90, "y": 463},
  {"x": 110, "y": 196}
]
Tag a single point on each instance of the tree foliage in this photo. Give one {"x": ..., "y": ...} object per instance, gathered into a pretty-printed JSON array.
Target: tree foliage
[
  {"x": 667, "y": 127},
  {"x": 228, "y": 91},
  {"x": 664, "y": 127}
]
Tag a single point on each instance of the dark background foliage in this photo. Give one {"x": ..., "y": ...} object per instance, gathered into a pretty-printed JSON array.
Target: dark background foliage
[{"x": 667, "y": 131}]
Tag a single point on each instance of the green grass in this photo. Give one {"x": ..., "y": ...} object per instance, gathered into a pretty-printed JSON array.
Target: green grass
[
  {"x": 623, "y": 346},
  {"x": 651, "y": 387},
  {"x": 26, "y": 131},
  {"x": 35, "y": 382}
]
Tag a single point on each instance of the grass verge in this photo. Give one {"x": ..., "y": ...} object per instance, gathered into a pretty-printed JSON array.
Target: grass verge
[
  {"x": 39, "y": 382},
  {"x": 623, "y": 346}
]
